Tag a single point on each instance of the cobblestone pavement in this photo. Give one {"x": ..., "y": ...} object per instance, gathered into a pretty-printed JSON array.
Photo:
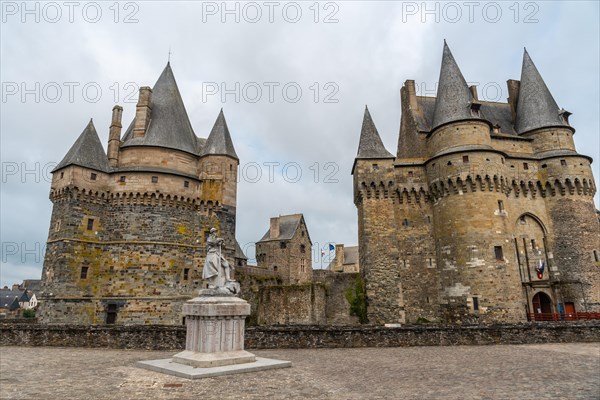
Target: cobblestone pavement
[{"x": 550, "y": 371}]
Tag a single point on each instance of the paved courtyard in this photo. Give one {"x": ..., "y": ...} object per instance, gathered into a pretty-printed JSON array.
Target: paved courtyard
[{"x": 551, "y": 371}]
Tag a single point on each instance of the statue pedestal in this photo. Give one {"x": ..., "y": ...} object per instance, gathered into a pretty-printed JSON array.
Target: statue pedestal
[
  {"x": 215, "y": 331},
  {"x": 214, "y": 342}
]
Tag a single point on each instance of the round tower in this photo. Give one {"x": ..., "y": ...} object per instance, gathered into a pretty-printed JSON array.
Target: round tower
[{"x": 478, "y": 277}]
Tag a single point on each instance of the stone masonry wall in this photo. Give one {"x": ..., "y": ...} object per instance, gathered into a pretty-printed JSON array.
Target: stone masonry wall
[
  {"x": 295, "y": 337},
  {"x": 302, "y": 304}
]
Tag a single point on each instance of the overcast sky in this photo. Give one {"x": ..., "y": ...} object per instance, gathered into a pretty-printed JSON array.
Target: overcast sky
[{"x": 63, "y": 64}]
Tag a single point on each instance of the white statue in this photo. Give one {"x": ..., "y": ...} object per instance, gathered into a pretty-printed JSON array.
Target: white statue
[{"x": 217, "y": 271}]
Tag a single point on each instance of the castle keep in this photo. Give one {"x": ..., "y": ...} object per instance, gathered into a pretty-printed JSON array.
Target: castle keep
[
  {"x": 485, "y": 213},
  {"x": 128, "y": 228}
]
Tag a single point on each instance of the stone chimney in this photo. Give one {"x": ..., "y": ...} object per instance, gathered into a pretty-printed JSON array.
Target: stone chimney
[
  {"x": 143, "y": 112},
  {"x": 274, "y": 228},
  {"x": 513, "y": 96},
  {"x": 114, "y": 136},
  {"x": 411, "y": 94},
  {"x": 339, "y": 255}
]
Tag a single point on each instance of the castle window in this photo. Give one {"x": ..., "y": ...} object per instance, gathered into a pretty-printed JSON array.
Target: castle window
[
  {"x": 186, "y": 184},
  {"x": 405, "y": 222},
  {"x": 498, "y": 252},
  {"x": 475, "y": 303},
  {"x": 430, "y": 261},
  {"x": 525, "y": 165},
  {"x": 231, "y": 167},
  {"x": 302, "y": 264},
  {"x": 84, "y": 272},
  {"x": 122, "y": 178},
  {"x": 428, "y": 219},
  {"x": 544, "y": 165},
  {"x": 410, "y": 173},
  {"x": 502, "y": 159},
  {"x": 186, "y": 274},
  {"x": 596, "y": 258},
  {"x": 465, "y": 159},
  {"x": 61, "y": 175},
  {"x": 302, "y": 233},
  {"x": 375, "y": 167},
  {"x": 500, "y": 205},
  {"x": 302, "y": 248},
  {"x": 90, "y": 224},
  {"x": 427, "y": 299},
  {"x": 274, "y": 268},
  {"x": 449, "y": 163},
  {"x": 533, "y": 244},
  {"x": 93, "y": 176},
  {"x": 563, "y": 163},
  {"x": 282, "y": 245},
  {"x": 155, "y": 179},
  {"x": 111, "y": 313},
  {"x": 57, "y": 226}
]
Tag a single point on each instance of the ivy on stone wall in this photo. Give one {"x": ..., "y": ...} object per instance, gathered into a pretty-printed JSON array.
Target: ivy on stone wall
[{"x": 356, "y": 297}]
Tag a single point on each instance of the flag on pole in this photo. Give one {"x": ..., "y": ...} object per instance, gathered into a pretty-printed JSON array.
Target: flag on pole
[{"x": 331, "y": 247}]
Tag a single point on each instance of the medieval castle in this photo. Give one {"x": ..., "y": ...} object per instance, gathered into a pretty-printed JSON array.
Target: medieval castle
[
  {"x": 128, "y": 229},
  {"x": 485, "y": 214}
]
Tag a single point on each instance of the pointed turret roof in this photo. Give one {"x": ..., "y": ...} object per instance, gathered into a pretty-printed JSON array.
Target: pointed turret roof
[
  {"x": 169, "y": 125},
  {"x": 536, "y": 108},
  {"x": 453, "y": 98},
  {"x": 219, "y": 141},
  {"x": 370, "y": 145},
  {"x": 86, "y": 152}
]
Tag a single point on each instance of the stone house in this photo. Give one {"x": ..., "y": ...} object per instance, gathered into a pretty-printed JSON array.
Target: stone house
[
  {"x": 345, "y": 259},
  {"x": 286, "y": 249}
]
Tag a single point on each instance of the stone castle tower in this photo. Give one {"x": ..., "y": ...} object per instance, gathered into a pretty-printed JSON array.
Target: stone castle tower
[
  {"x": 486, "y": 212},
  {"x": 128, "y": 229}
]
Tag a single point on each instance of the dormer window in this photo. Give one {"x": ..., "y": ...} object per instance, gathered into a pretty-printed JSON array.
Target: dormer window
[
  {"x": 93, "y": 176},
  {"x": 564, "y": 115},
  {"x": 475, "y": 108}
]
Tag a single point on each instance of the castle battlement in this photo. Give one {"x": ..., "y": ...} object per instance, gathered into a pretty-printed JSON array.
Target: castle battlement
[
  {"x": 128, "y": 228},
  {"x": 485, "y": 214}
]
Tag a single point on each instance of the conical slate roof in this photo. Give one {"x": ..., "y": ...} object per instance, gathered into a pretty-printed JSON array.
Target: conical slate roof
[
  {"x": 453, "y": 98},
  {"x": 169, "y": 125},
  {"x": 536, "y": 108},
  {"x": 86, "y": 152},
  {"x": 219, "y": 141},
  {"x": 370, "y": 145}
]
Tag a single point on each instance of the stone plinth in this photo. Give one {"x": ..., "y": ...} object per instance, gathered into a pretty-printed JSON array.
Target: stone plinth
[
  {"x": 215, "y": 331},
  {"x": 214, "y": 343}
]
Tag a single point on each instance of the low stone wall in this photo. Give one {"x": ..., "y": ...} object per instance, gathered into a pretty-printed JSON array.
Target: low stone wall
[{"x": 173, "y": 337}]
